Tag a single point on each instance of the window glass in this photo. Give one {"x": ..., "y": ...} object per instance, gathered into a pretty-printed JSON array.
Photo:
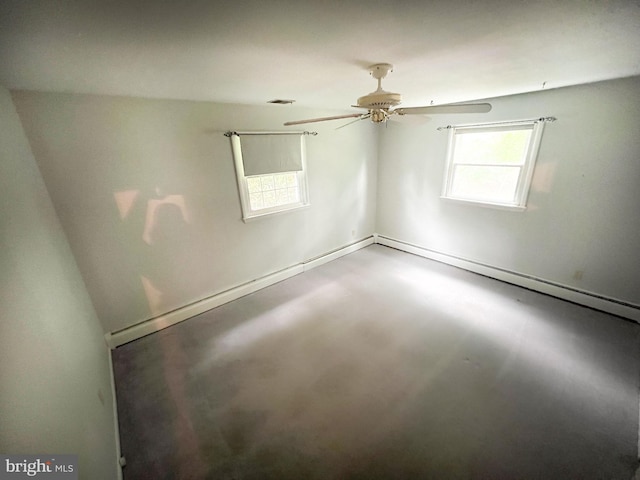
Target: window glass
[
  {"x": 504, "y": 148},
  {"x": 492, "y": 165},
  {"x": 267, "y": 191},
  {"x": 485, "y": 183}
]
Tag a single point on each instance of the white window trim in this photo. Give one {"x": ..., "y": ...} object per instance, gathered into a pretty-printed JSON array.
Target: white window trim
[
  {"x": 243, "y": 189},
  {"x": 524, "y": 181},
  {"x": 498, "y": 206}
]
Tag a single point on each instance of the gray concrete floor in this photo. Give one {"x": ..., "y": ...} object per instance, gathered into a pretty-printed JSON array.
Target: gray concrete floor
[{"x": 384, "y": 365}]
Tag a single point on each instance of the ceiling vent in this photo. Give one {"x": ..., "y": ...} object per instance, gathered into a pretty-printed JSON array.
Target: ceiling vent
[{"x": 280, "y": 101}]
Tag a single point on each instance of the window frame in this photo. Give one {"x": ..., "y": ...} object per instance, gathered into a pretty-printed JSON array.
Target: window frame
[
  {"x": 526, "y": 169},
  {"x": 248, "y": 213}
]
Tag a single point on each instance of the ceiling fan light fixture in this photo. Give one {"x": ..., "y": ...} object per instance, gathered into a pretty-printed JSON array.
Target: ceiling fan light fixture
[{"x": 378, "y": 116}]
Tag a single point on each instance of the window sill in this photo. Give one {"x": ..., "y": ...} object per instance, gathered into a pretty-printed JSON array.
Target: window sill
[
  {"x": 497, "y": 206},
  {"x": 258, "y": 215}
]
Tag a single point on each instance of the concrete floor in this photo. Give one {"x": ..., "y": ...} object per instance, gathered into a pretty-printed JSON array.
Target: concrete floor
[{"x": 384, "y": 365}]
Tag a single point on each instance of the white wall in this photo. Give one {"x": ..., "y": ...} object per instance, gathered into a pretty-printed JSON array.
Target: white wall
[
  {"x": 104, "y": 159},
  {"x": 583, "y": 209},
  {"x": 53, "y": 360}
]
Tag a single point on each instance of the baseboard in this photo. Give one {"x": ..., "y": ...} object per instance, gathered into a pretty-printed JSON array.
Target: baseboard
[
  {"x": 581, "y": 297},
  {"x": 120, "y": 337},
  {"x": 115, "y": 416},
  {"x": 340, "y": 252},
  {"x": 161, "y": 322}
]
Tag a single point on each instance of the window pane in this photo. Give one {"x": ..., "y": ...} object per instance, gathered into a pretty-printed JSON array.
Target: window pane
[
  {"x": 282, "y": 197},
  {"x": 267, "y": 182},
  {"x": 269, "y": 199},
  {"x": 503, "y": 148},
  {"x": 280, "y": 180},
  {"x": 293, "y": 195},
  {"x": 273, "y": 190},
  {"x": 491, "y": 184},
  {"x": 256, "y": 201}
]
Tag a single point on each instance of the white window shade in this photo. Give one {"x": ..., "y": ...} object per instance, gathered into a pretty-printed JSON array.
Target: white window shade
[{"x": 263, "y": 154}]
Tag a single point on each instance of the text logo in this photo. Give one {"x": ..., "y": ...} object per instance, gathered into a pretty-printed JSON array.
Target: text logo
[{"x": 50, "y": 467}]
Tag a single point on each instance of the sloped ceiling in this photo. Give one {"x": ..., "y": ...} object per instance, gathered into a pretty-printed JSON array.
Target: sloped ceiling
[{"x": 315, "y": 52}]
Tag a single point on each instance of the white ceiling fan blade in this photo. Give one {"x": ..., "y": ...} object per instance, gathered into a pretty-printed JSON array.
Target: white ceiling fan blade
[
  {"x": 362, "y": 117},
  {"x": 323, "y": 119},
  {"x": 409, "y": 119},
  {"x": 435, "y": 109}
]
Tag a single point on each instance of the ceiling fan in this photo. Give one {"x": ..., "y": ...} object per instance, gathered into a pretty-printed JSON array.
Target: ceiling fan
[{"x": 381, "y": 104}]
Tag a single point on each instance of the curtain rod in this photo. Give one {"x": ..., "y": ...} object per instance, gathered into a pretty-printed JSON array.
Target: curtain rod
[
  {"x": 232, "y": 132},
  {"x": 512, "y": 122}
]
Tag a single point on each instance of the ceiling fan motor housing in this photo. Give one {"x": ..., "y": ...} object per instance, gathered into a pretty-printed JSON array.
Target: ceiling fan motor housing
[{"x": 380, "y": 99}]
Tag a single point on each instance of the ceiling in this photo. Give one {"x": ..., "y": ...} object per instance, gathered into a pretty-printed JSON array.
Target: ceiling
[{"x": 315, "y": 52}]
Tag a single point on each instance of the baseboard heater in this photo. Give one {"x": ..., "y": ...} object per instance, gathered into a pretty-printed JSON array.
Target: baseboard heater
[
  {"x": 146, "y": 327},
  {"x": 588, "y": 299},
  {"x": 564, "y": 292}
]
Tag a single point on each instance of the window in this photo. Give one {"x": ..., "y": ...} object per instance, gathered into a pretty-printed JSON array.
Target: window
[
  {"x": 492, "y": 165},
  {"x": 271, "y": 172},
  {"x": 273, "y": 190}
]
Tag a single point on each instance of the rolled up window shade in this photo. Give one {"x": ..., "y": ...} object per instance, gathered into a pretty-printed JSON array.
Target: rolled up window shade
[{"x": 264, "y": 154}]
